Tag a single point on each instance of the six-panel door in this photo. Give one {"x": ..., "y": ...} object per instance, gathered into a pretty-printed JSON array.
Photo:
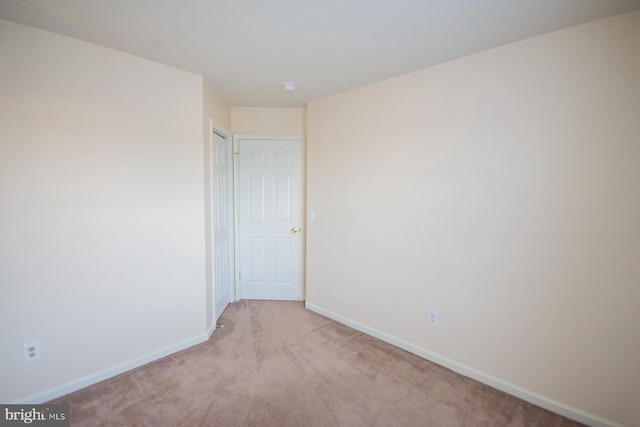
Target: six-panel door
[
  {"x": 221, "y": 207},
  {"x": 269, "y": 218}
]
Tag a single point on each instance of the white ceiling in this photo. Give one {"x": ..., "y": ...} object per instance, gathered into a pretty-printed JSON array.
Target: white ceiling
[{"x": 246, "y": 48}]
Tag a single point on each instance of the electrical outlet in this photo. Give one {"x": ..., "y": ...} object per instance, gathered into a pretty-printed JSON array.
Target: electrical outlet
[
  {"x": 433, "y": 317},
  {"x": 32, "y": 351}
]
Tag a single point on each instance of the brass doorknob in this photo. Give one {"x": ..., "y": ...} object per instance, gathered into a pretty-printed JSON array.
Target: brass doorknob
[{"x": 294, "y": 230}]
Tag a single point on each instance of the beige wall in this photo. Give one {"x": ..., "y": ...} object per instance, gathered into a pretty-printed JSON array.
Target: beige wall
[
  {"x": 216, "y": 111},
  {"x": 268, "y": 121},
  {"x": 215, "y": 106},
  {"x": 102, "y": 255},
  {"x": 502, "y": 190}
]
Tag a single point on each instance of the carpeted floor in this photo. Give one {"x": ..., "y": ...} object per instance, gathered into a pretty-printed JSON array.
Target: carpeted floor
[{"x": 276, "y": 364}]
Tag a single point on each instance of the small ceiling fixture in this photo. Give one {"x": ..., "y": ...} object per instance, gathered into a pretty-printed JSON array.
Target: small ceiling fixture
[{"x": 289, "y": 86}]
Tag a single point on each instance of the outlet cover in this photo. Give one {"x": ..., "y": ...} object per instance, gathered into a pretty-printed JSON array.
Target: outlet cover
[
  {"x": 32, "y": 351},
  {"x": 433, "y": 317}
]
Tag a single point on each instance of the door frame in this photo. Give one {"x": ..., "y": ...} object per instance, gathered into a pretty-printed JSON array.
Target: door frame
[
  {"x": 215, "y": 127},
  {"x": 303, "y": 202}
]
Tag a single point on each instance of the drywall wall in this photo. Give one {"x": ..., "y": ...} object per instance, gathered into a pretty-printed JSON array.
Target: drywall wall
[
  {"x": 216, "y": 112},
  {"x": 503, "y": 191},
  {"x": 215, "y": 106},
  {"x": 102, "y": 254},
  {"x": 268, "y": 121}
]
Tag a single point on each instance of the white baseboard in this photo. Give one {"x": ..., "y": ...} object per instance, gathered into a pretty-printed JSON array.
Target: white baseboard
[
  {"x": 467, "y": 371},
  {"x": 97, "y": 377},
  {"x": 211, "y": 330}
]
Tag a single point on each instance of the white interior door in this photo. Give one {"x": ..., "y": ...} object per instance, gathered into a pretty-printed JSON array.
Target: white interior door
[
  {"x": 269, "y": 219},
  {"x": 222, "y": 220}
]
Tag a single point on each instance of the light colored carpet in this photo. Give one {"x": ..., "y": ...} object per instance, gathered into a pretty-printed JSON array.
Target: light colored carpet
[{"x": 277, "y": 364}]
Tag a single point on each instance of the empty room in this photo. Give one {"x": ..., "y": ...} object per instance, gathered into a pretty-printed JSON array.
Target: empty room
[{"x": 320, "y": 213}]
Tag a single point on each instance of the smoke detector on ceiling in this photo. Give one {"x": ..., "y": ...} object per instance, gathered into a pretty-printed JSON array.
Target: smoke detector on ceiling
[{"x": 289, "y": 86}]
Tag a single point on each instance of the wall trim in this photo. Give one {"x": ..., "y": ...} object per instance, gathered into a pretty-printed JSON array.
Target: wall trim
[
  {"x": 111, "y": 372},
  {"x": 529, "y": 396}
]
